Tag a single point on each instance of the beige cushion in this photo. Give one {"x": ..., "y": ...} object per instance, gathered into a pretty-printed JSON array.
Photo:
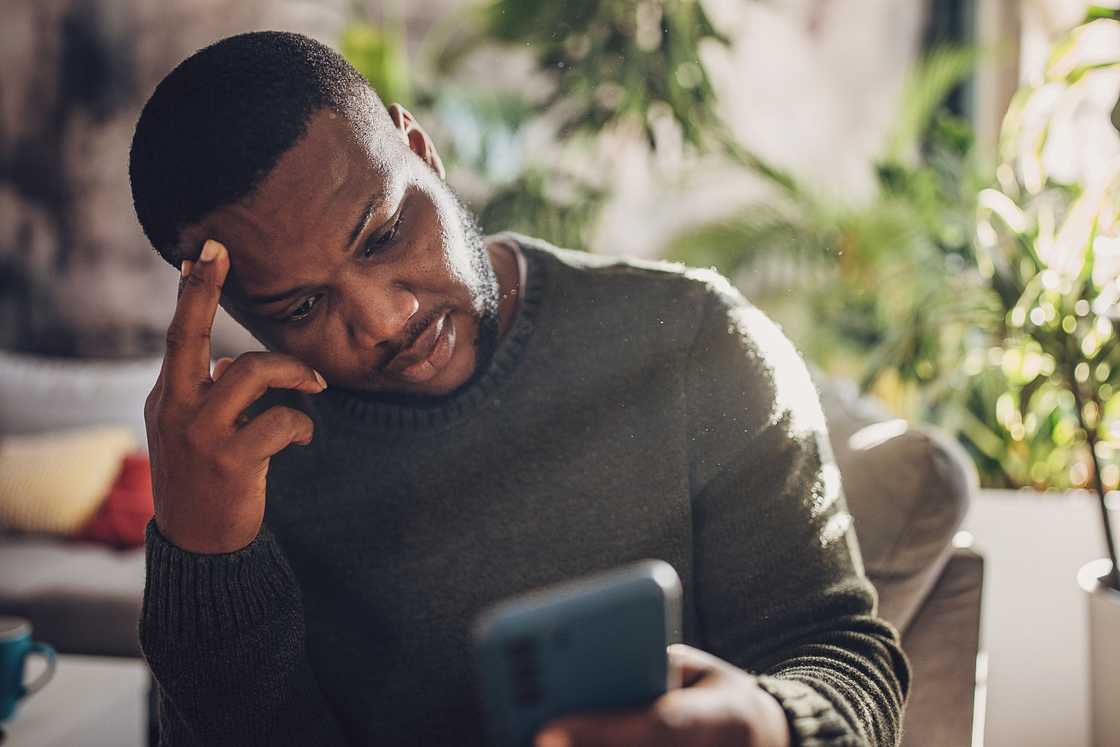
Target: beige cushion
[
  {"x": 908, "y": 489},
  {"x": 54, "y": 482}
]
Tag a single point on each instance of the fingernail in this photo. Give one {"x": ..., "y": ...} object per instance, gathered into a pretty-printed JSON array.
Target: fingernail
[
  {"x": 322, "y": 381},
  {"x": 552, "y": 739},
  {"x": 185, "y": 267},
  {"x": 209, "y": 251}
]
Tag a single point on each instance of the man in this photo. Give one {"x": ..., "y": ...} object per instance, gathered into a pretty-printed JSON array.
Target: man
[{"x": 443, "y": 421}]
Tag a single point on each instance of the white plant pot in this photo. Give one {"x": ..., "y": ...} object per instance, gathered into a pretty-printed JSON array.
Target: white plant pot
[{"x": 1104, "y": 654}]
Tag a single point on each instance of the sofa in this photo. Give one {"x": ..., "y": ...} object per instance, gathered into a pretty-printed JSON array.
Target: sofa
[{"x": 908, "y": 489}]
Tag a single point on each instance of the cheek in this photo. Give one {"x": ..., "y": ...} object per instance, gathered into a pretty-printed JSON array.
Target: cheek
[
  {"x": 333, "y": 355},
  {"x": 444, "y": 235},
  {"x": 313, "y": 349}
]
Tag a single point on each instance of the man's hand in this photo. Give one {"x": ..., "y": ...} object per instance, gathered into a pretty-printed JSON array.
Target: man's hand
[
  {"x": 208, "y": 464},
  {"x": 718, "y": 705}
]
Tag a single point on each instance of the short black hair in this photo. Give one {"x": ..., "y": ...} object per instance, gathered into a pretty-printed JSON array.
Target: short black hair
[{"x": 219, "y": 122}]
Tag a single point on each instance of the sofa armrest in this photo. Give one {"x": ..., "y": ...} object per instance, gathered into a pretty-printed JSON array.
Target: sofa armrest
[
  {"x": 943, "y": 642},
  {"x": 80, "y": 597}
]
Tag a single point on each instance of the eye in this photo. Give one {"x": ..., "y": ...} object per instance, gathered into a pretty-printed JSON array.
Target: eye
[
  {"x": 375, "y": 244},
  {"x": 303, "y": 311}
]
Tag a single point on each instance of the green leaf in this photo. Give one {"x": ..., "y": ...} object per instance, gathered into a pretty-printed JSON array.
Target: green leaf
[{"x": 378, "y": 54}]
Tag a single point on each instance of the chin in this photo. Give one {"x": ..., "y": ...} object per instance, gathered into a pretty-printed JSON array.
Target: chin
[
  {"x": 458, "y": 371},
  {"x": 455, "y": 374}
]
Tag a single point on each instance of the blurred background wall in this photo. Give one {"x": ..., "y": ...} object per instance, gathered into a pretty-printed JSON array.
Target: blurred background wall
[
  {"x": 77, "y": 277},
  {"x": 809, "y": 84}
]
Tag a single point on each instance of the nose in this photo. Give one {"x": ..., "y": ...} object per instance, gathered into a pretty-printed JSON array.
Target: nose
[{"x": 378, "y": 313}]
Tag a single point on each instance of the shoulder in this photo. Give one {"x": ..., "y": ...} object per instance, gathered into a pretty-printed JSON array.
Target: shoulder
[
  {"x": 744, "y": 358},
  {"x": 732, "y": 349},
  {"x": 670, "y": 294},
  {"x": 607, "y": 266},
  {"x": 642, "y": 312}
]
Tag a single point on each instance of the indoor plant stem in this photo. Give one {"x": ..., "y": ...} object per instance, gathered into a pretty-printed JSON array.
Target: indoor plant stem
[{"x": 1113, "y": 579}]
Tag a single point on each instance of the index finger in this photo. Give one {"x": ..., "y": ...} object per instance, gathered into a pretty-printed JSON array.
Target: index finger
[{"x": 187, "y": 360}]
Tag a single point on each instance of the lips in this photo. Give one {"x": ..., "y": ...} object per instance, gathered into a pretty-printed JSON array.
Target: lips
[{"x": 427, "y": 354}]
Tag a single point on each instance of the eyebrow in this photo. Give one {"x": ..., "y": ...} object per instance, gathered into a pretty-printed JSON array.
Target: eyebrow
[{"x": 363, "y": 219}]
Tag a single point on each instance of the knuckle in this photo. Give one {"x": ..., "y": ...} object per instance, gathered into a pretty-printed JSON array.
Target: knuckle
[
  {"x": 298, "y": 424},
  {"x": 226, "y": 462},
  {"x": 298, "y": 421},
  {"x": 151, "y": 420},
  {"x": 282, "y": 359},
  {"x": 178, "y": 335},
  {"x": 251, "y": 364},
  {"x": 163, "y": 420},
  {"x": 196, "y": 282},
  {"x": 196, "y": 439},
  {"x": 175, "y": 336},
  {"x": 287, "y": 358},
  {"x": 151, "y": 402}
]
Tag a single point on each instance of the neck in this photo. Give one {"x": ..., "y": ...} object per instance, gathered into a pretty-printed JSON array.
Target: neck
[{"x": 509, "y": 267}]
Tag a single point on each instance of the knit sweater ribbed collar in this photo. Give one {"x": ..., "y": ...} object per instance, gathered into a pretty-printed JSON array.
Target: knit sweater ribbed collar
[{"x": 375, "y": 415}]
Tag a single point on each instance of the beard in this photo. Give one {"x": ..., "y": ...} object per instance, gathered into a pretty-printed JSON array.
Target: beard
[{"x": 486, "y": 291}]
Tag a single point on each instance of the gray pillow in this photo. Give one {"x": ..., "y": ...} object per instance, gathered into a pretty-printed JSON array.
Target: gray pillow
[
  {"x": 40, "y": 394},
  {"x": 908, "y": 489}
]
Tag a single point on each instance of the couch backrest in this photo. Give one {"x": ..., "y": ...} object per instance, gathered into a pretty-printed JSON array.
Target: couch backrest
[{"x": 908, "y": 489}]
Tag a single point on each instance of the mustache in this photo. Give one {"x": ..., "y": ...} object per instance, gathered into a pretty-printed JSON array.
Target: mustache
[{"x": 413, "y": 332}]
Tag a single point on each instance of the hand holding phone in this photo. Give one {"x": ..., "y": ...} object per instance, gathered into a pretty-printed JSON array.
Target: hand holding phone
[{"x": 594, "y": 644}]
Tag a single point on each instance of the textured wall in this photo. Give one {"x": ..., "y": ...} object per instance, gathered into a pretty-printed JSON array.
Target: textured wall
[
  {"x": 810, "y": 84},
  {"x": 77, "y": 276}
]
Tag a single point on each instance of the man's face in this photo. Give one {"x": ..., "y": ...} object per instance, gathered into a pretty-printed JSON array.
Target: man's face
[{"x": 352, "y": 250}]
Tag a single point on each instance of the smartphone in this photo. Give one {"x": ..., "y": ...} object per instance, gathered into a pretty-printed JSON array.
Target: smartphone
[{"x": 592, "y": 644}]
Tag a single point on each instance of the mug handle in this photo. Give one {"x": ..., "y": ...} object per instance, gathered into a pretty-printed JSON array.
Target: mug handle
[{"x": 47, "y": 652}]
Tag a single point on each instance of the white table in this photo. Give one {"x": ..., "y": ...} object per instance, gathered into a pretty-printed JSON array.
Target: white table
[
  {"x": 1034, "y": 615},
  {"x": 92, "y": 701}
]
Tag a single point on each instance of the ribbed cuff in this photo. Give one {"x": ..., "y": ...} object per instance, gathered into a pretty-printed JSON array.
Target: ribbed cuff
[
  {"x": 813, "y": 721},
  {"x": 192, "y": 598}
]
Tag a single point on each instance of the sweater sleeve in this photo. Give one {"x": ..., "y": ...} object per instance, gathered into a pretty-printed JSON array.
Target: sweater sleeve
[
  {"x": 224, "y": 637},
  {"x": 779, "y": 583}
]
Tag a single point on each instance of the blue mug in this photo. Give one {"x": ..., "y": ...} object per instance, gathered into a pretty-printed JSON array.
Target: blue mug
[{"x": 15, "y": 646}]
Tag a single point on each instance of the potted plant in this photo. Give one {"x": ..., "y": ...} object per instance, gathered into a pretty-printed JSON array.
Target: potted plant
[
  {"x": 989, "y": 310},
  {"x": 523, "y": 147},
  {"x": 1048, "y": 242}
]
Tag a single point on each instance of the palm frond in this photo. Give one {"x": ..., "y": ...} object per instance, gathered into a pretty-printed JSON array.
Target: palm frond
[{"x": 929, "y": 83}]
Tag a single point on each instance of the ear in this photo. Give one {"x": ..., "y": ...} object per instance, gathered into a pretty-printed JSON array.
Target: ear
[{"x": 415, "y": 137}]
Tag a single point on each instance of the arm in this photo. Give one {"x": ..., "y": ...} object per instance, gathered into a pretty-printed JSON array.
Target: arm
[
  {"x": 223, "y": 635},
  {"x": 779, "y": 583},
  {"x": 222, "y": 625}
]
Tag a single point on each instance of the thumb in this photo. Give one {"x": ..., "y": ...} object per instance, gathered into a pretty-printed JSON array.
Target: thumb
[
  {"x": 220, "y": 367},
  {"x": 692, "y": 664}
]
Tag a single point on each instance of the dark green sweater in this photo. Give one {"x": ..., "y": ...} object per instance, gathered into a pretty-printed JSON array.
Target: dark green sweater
[{"x": 633, "y": 410}]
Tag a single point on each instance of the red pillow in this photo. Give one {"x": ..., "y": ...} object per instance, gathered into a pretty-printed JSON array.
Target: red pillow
[{"x": 124, "y": 514}]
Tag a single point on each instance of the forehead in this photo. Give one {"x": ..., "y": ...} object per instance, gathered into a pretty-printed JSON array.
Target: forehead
[{"x": 306, "y": 206}]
